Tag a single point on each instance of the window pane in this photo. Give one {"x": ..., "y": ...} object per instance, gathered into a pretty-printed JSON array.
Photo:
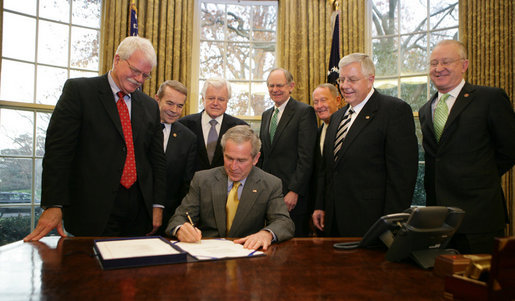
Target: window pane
[
  {"x": 413, "y": 16},
  {"x": 26, "y": 7},
  {"x": 444, "y": 13},
  {"x": 212, "y": 18},
  {"x": 53, "y": 43},
  {"x": 37, "y": 181},
  {"x": 16, "y": 26},
  {"x": 16, "y": 180},
  {"x": 387, "y": 86},
  {"x": 264, "y": 20},
  {"x": 19, "y": 85},
  {"x": 79, "y": 73},
  {"x": 413, "y": 53},
  {"x": 238, "y": 61},
  {"x": 42, "y": 120},
  {"x": 262, "y": 59},
  {"x": 86, "y": 12},
  {"x": 50, "y": 84},
  {"x": 384, "y": 18},
  {"x": 85, "y": 48},
  {"x": 419, "y": 196},
  {"x": 238, "y": 27},
  {"x": 385, "y": 56},
  {"x": 211, "y": 59},
  {"x": 14, "y": 225},
  {"x": 16, "y": 128},
  {"x": 260, "y": 99},
  {"x": 414, "y": 91},
  {"x": 58, "y": 10},
  {"x": 437, "y": 36},
  {"x": 238, "y": 104}
]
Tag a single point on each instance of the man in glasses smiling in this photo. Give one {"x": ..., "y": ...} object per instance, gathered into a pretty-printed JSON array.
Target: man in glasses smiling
[
  {"x": 104, "y": 166},
  {"x": 469, "y": 143}
]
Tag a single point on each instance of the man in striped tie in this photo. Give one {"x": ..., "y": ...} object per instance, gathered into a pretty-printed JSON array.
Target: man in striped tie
[
  {"x": 370, "y": 155},
  {"x": 469, "y": 143}
]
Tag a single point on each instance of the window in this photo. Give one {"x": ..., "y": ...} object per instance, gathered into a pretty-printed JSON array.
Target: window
[
  {"x": 403, "y": 33},
  {"x": 43, "y": 43},
  {"x": 237, "y": 42}
]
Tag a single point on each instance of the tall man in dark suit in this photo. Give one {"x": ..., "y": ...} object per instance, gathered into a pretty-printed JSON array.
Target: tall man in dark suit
[
  {"x": 288, "y": 135},
  {"x": 104, "y": 166},
  {"x": 180, "y": 146},
  {"x": 469, "y": 142},
  {"x": 370, "y": 155},
  {"x": 236, "y": 200},
  {"x": 210, "y": 124}
]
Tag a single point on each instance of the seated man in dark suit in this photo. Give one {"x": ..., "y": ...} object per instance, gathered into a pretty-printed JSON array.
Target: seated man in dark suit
[
  {"x": 180, "y": 146},
  {"x": 210, "y": 124},
  {"x": 236, "y": 200}
]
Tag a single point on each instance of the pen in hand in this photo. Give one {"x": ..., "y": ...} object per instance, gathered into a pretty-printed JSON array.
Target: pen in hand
[
  {"x": 197, "y": 232},
  {"x": 189, "y": 218}
]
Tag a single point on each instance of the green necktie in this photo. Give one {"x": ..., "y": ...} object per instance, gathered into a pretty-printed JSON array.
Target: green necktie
[
  {"x": 441, "y": 113},
  {"x": 273, "y": 124}
]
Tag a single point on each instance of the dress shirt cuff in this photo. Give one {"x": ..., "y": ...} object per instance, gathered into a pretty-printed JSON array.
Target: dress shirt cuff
[
  {"x": 174, "y": 231},
  {"x": 52, "y": 206},
  {"x": 274, "y": 239},
  {"x": 158, "y": 206}
]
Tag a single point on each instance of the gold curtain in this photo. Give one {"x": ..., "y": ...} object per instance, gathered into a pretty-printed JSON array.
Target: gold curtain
[
  {"x": 304, "y": 43},
  {"x": 168, "y": 24},
  {"x": 487, "y": 30},
  {"x": 352, "y": 26}
]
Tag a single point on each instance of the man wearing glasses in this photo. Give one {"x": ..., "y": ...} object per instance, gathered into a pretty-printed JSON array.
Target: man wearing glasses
[
  {"x": 370, "y": 156},
  {"x": 469, "y": 143},
  {"x": 104, "y": 166}
]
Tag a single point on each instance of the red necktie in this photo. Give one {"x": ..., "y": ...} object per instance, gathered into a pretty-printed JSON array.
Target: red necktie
[{"x": 129, "y": 169}]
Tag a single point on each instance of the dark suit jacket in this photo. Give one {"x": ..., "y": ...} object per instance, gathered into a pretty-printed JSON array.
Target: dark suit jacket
[
  {"x": 181, "y": 153},
  {"x": 193, "y": 122},
  {"x": 85, "y": 154},
  {"x": 261, "y": 206},
  {"x": 376, "y": 170},
  {"x": 290, "y": 156},
  {"x": 476, "y": 148}
]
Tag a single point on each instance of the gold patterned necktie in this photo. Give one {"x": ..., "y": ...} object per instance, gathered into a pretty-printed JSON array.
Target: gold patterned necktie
[
  {"x": 440, "y": 116},
  {"x": 232, "y": 204}
]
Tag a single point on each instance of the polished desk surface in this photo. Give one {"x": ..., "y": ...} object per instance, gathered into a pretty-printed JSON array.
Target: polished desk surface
[{"x": 299, "y": 269}]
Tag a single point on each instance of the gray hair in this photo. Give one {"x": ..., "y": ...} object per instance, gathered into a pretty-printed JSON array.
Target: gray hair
[
  {"x": 174, "y": 84},
  {"x": 332, "y": 89},
  {"x": 287, "y": 75},
  {"x": 462, "y": 50},
  {"x": 241, "y": 134},
  {"x": 367, "y": 66},
  {"x": 131, "y": 44},
  {"x": 217, "y": 82}
]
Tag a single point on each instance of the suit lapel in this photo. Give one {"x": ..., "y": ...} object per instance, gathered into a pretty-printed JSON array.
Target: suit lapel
[
  {"x": 330, "y": 135},
  {"x": 247, "y": 200},
  {"x": 175, "y": 133},
  {"x": 107, "y": 99},
  {"x": 365, "y": 116},
  {"x": 136, "y": 112},
  {"x": 287, "y": 115},
  {"x": 201, "y": 148},
  {"x": 428, "y": 129},
  {"x": 464, "y": 99},
  {"x": 219, "y": 198},
  {"x": 266, "y": 124}
]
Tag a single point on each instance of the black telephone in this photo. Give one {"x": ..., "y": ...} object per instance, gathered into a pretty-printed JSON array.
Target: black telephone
[{"x": 421, "y": 233}]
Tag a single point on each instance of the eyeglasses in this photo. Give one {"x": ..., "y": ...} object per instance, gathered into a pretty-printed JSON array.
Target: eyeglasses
[
  {"x": 138, "y": 72},
  {"x": 279, "y": 86},
  {"x": 352, "y": 80},
  {"x": 443, "y": 63}
]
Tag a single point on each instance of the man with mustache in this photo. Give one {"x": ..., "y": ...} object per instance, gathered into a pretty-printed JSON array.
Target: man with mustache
[
  {"x": 370, "y": 155},
  {"x": 469, "y": 143},
  {"x": 104, "y": 166},
  {"x": 180, "y": 146}
]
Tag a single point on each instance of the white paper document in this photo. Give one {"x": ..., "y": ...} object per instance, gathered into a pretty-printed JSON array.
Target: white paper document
[
  {"x": 209, "y": 249},
  {"x": 127, "y": 248}
]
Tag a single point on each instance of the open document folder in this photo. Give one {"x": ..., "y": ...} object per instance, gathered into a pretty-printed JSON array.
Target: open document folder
[
  {"x": 154, "y": 250},
  {"x": 213, "y": 249}
]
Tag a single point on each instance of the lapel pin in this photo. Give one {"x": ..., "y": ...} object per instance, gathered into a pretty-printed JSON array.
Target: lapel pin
[
  {"x": 254, "y": 190},
  {"x": 367, "y": 117},
  {"x": 466, "y": 95},
  {"x": 175, "y": 134}
]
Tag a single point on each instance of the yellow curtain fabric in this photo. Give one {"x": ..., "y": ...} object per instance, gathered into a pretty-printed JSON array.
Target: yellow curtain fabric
[
  {"x": 352, "y": 26},
  {"x": 304, "y": 33},
  {"x": 168, "y": 24},
  {"x": 487, "y": 30}
]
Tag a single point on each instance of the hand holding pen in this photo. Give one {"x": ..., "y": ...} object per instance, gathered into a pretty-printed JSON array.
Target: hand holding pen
[{"x": 188, "y": 232}]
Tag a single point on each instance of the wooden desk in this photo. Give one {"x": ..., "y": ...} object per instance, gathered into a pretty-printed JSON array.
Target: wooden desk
[{"x": 299, "y": 269}]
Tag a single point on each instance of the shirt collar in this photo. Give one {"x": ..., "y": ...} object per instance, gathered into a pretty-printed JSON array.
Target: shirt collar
[{"x": 112, "y": 84}]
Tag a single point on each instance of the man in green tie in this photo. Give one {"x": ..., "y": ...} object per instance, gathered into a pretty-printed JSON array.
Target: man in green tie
[
  {"x": 236, "y": 200},
  {"x": 469, "y": 143}
]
